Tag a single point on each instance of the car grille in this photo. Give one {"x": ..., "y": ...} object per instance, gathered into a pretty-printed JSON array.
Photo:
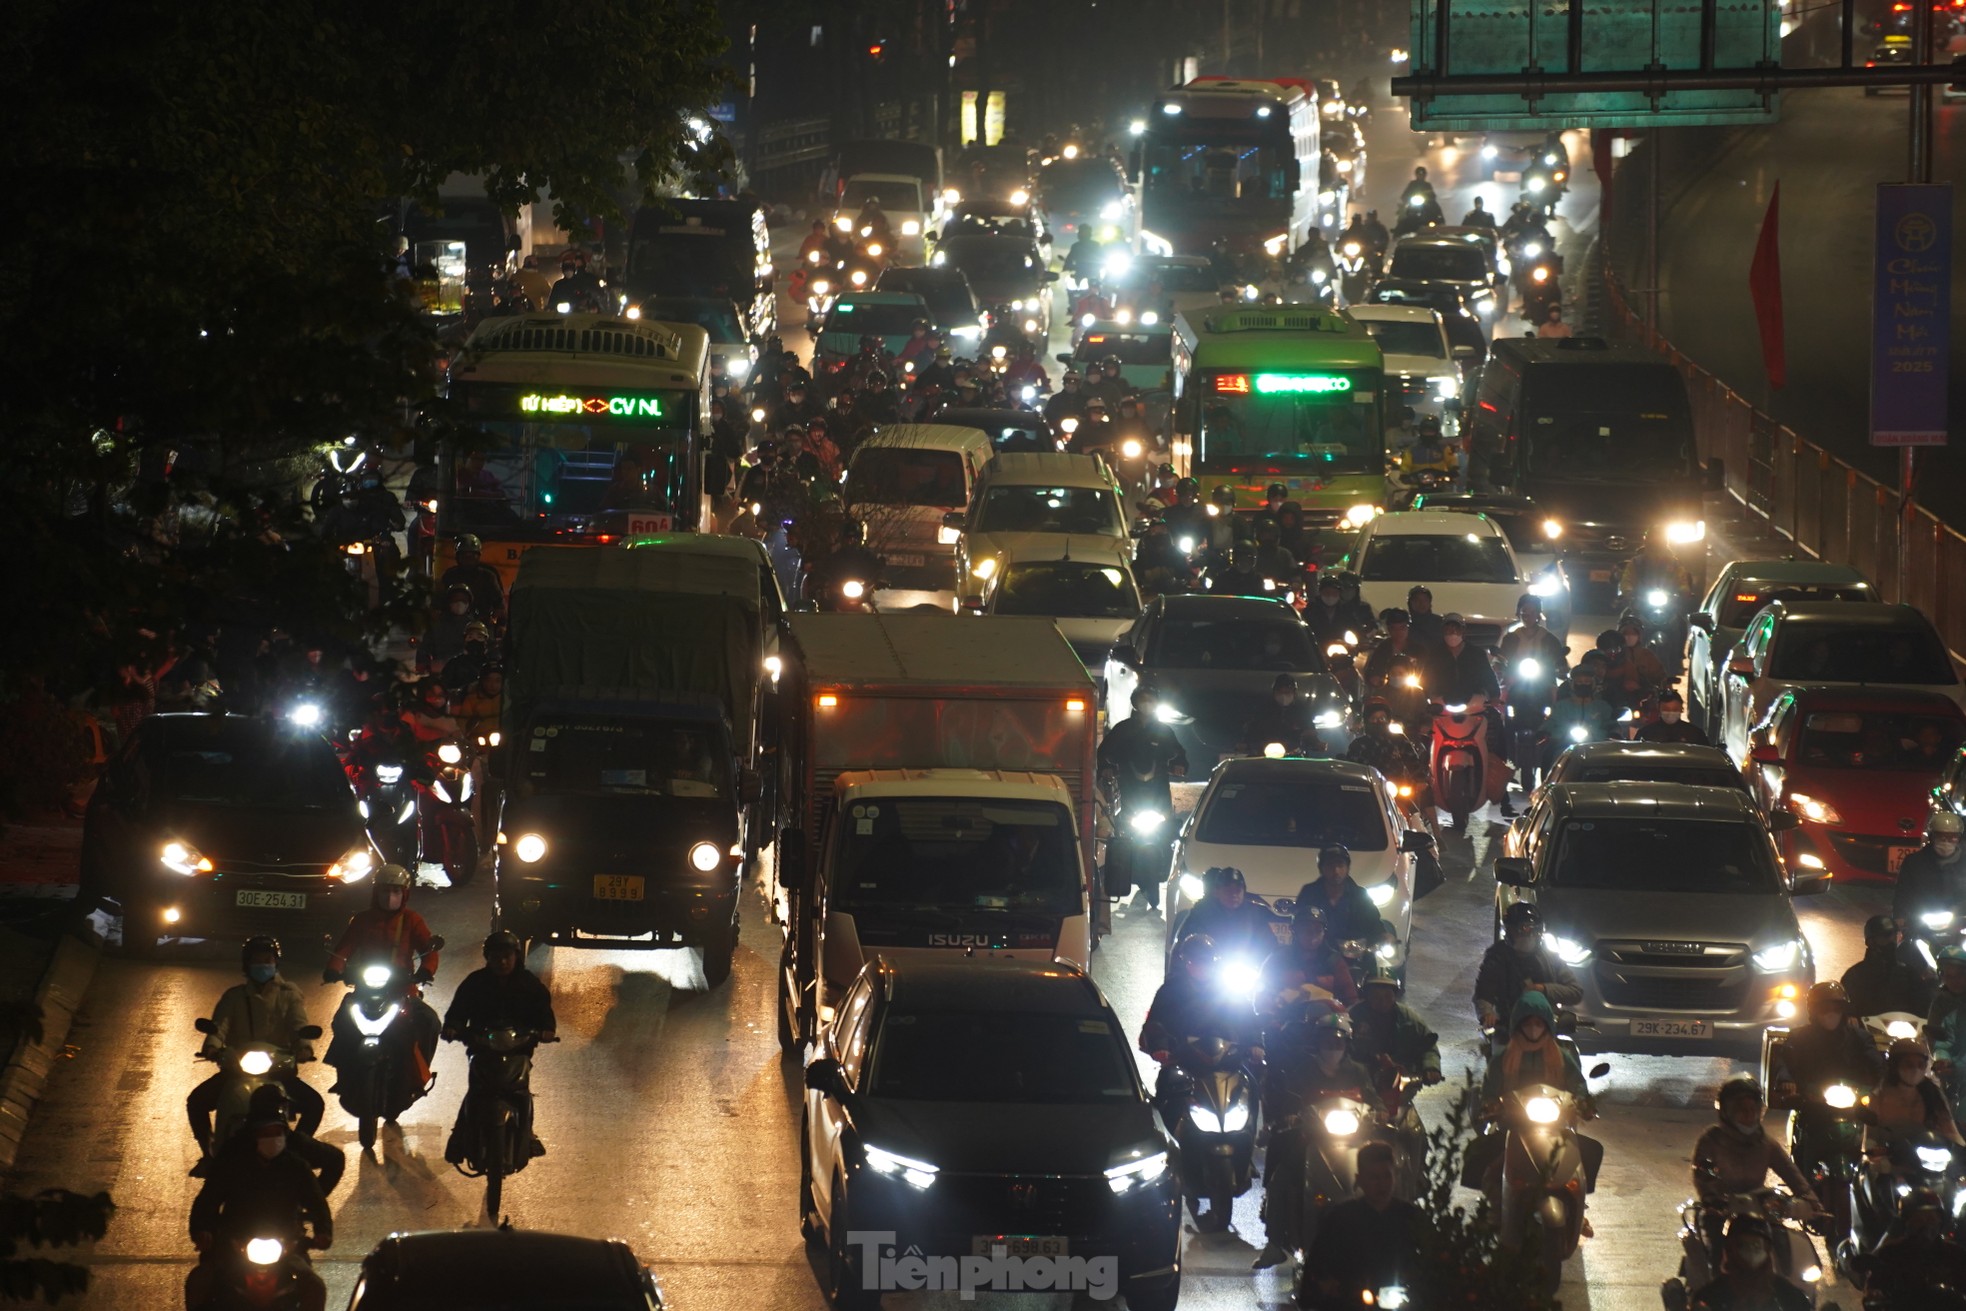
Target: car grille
[
  {"x": 1673, "y": 976},
  {"x": 1416, "y": 390},
  {"x": 1022, "y": 1204},
  {"x": 1871, "y": 855},
  {"x": 937, "y": 575},
  {"x": 262, "y": 872}
]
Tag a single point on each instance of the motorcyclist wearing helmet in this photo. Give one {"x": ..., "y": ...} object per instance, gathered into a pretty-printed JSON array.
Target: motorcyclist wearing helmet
[
  {"x": 919, "y": 349},
  {"x": 1274, "y": 497},
  {"x": 1393, "y": 656},
  {"x": 1915, "y": 1259},
  {"x": 1191, "y": 1003},
  {"x": 871, "y": 224},
  {"x": 1419, "y": 188},
  {"x": 1325, "y": 615},
  {"x": 1389, "y": 1034},
  {"x": 851, "y": 558},
  {"x": 1026, "y": 370},
  {"x": 1832, "y": 1048},
  {"x": 1285, "y": 722},
  {"x": 1531, "y": 1055},
  {"x": 1907, "y": 1101},
  {"x": 1107, "y": 380},
  {"x": 268, "y": 1103},
  {"x": 1636, "y": 670},
  {"x": 1310, "y": 961},
  {"x": 1239, "y": 576},
  {"x": 1353, "y": 610},
  {"x": 1186, "y": 518},
  {"x": 1223, "y": 529},
  {"x": 1427, "y": 628},
  {"x": 266, "y": 1192},
  {"x": 1349, "y": 912},
  {"x": 1068, "y": 402},
  {"x": 1479, "y": 217},
  {"x": 1141, "y": 735},
  {"x": 578, "y": 286},
  {"x": 1457, "y": 670},
  {"x": 875, "y": 398},
  {"x": 471, "y": 571},
  {"x": 1386, "y": 751},
  {"x": 1672, "y": 724},
  {"x": 1273, "y": 561},
  {"x": 1946, "y": 1024},
  {"x": 1159, "y": 562},
  {"x": 1931, "y": 890},
  {"x": 464, "y": 668},
  {"x": 1748, "y": 1281},
  {"x": 388, "y": 933},
  {"x": 1735, "y": 1155},
  {"x": 266, "y": 1008},
  {"x": 1656, "y": 567},
  {"x": 1226, "y": 915},
  {"x": 1519, "y": 965},
  {"x": 1891, "y": 976},
  {"x": 1312, "y": 1060},
  {"x": 504, "y": 994},
  {"x": 1529, "y": 640},
  {"x": 1579, "y": 715}
]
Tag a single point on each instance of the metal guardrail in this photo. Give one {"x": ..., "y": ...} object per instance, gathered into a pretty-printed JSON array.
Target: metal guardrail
[{"x": 1827, "y": 508}]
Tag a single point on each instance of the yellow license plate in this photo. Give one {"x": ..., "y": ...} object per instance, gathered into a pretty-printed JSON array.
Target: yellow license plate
[{"x": 617, "y": 887}]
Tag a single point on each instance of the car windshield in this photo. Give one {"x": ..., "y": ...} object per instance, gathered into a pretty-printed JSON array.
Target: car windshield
[
  {"x": 1456, "y": 263},
  {"x": 887, "y": 320},
  {"x": 1173, "y": 277},
  {"x": 1066, "y": 589},
  {"x": 1050, "y": 510},
  {"x": 714, "y": 317},
  {"x": 989, "y": 257},
  {"x": 1817, "y": 653},
  {"x": 898, "y": 194},
  {"x": 1397, "y": 338},
  {"x": 946, "y": 294},
  {"x": 1606, "y": 423},
  {"x": 1001, "y": 1056},
  {"x": 1853, "y": 739},
  {"x": 1432, "y": 296},
  {"x": 1438, "y": 558},
  {"x": 265, "y": 771},
  {"x": 1293, "y": 808},
  {"x": 956, "y": 854},
  {"x": 899, "y": 475},
  {"x": 1664, "y": 856},
  {"x": 1079, "y": 184},
  {"x": 611, "y": 756},
  {"x": 1639, "y": 771},
  {"x": 1740, "y": 604},
  {"x": 1239, "y": 643},
  {"x": 1130, "y": 347}
]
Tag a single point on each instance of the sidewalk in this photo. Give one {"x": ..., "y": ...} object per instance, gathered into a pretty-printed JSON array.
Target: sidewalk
[{"x": 44, "y": 969}]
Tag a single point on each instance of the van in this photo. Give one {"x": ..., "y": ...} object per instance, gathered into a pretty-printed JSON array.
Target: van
[
  {"x": 716, "y": 248},
  {"x": 901, "y": 483},
  {"x": 1025, "y": 494},
  {"x": 910, "y": 210},
  {"x": 1601, "y": 436}
]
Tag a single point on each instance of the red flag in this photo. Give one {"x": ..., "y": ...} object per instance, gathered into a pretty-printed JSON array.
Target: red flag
[{"x": 1765, "y": 282}]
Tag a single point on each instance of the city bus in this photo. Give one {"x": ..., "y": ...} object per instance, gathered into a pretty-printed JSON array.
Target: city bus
[
  {"x": 578, "y": 429},
  {"x": 1230, "y": 160},
  {"x": 1283, "y": 393}
]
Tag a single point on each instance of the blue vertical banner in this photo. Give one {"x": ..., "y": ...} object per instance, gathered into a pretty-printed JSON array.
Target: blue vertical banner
[{"x": 1911, "y": 312}]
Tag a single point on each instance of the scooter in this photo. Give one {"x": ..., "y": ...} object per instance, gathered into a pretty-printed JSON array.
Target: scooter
[
  {"x": 1335, "y": 1127},
  {"x": 1216, "y": 1132},
  {"x": 1420, "y": 210},
  {"x": 261, "y": 1274},
  {"x": 386, "y": 798},
  {"x": 496, "y": 1120},
  {"x": 1833, "y": 1156},
  {"x": 1528, "y": 693},
  {"x": 371, "y": 1083},
  {"x": 246, "y": 1067},
  {"x": 1356, "y": 270},
  {"x": 1795, "y": 1259},
  {"x": 1460, "y": 762},
  {"x": 1543, "y": 1181},
  {"x": 1140, "y": 848},
  {"x": 447, "y": 834},
  {"x": 1895, "y": 1164}
]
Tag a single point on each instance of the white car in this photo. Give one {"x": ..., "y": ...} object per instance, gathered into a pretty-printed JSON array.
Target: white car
[
  {"x": 1034, "y": 494},
  {"x": 1414, "y": 341},
  {"x": 1464, "y": 559},
  {"x": 1083, "y": 584},
  {"x": 1269, "y": 818}
]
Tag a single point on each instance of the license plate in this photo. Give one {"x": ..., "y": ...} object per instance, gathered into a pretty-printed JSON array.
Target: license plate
[
  {"x": 649, "y": 523},
  {"x": 907, "y": 561},
  {"x": 271, "y": 900},
  {"x": 1896, "y": 858},
  {"x": 1019, "y": 1245},
  {"x": 1600, "y": 575},
  {"x": 1282, "y": 930},
  {"x": 1663, "y": 1028},
  {"x": 617, "y": 887}
]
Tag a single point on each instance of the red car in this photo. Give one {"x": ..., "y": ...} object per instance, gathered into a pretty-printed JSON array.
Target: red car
[{"x": 1856, "y": 767}]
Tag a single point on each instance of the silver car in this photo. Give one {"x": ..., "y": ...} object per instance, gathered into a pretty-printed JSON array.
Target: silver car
[{"x": 1672, "y": 906}]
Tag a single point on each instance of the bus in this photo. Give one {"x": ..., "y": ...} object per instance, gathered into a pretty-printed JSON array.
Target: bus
[
  {"x": 1230, "y": 160},
  {"x": 1283, "y": 393},
  {"x": 579, "y": 429}
]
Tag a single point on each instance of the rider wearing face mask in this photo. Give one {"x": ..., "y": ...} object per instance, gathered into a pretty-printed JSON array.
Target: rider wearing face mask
[
  {"x": 1748, "y": 1281},
  {"x": 268, "y": 1192},
  {"x": 1891, "y": 976},
  {"x": 1313, "y": 1059},
  {"x": 1735, "y": 1155},
  {"x": 1932, "y": 880},
  {"x": 388, "y": 933},
  {"x": 1580, "y": 715},
  {"x": 1915, "y": 1258},
  {"x": 1671, "y": 725},
  {"x": 265, "y": 1008},
  {"x": 1831, "y": 1049},
  {"x": 1458, "y": 669},
  {"x": 1519, "y": 965},
  {"x": 1286, "y": 722},
  {"x": 1532, "y": 1055},
  {"x": 1636, "y": 670}
]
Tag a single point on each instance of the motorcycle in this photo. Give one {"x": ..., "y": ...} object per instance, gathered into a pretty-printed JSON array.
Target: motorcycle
[
  {"x": 386, "y": 798},
  {"x": 447, "y": 833},
  {"x": 371, "y": 1082},
  {"x": 1825, "y": 1135},
  {"x": 1528, "y": 693},
  {"x": 1140, "y": 848},
  {"x": 496, "y": 1119},
  {"x": 1795, "y": 1256},
  {"x": 1356, "y": 270},
  {"x": 1216, "y": 1130},
  {"x": 1335, "y": 1127},
  {"x": 1542, "y": 290},
  {"x": 1543, "y": 181},
  {"x": 246, "y": 1067},
  {"x": 1663, "y": 613},
  {"x": 1896, "y": 1164},
  {"x": 1420, "y": 210},
  {"x": 1543, "y": 1182},
  {"x": 1460, "y": 762},
  {"x": 261, "y": 1274}
]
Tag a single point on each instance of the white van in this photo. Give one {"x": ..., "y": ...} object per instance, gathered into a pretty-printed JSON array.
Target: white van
[
  {"x": 901, "y": 482},
  {"x": 910, "y": 214}
]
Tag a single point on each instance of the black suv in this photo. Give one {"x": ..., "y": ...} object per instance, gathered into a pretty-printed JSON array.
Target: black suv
[{"x": 957, "y": 1107}]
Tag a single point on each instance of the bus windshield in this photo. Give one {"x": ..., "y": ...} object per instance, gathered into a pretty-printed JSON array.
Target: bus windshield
[
  {"x": 1327, "y": 431},
  {"x": 1231, "y": 169}
]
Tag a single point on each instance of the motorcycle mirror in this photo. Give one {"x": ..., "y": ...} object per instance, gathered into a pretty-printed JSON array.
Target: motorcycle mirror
[
  {"x": 1064, "y": 357},
  {"x": 309, "y": 1032},
  {"x": 204, "y": 1025},
  {"x": 436, "y": 942},
  {"x": 1599, "y": 1070}
]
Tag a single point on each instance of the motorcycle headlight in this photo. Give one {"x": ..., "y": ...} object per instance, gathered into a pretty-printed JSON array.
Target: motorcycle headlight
[
  {"x": 1839, "y": 1096},
  {"x": 1341, "y": 1123},
  {"x": 1187, "y": 545},
  {"x": 1392, "y": 1298},
  {"x": 819, "y": 288},
  {"x": 1111, "y": 211},
  {"x": 1166, "y": 713},
  {"x": 183, "y": 858},
  {"x": 1122, "y": 1177},
  {"x": 1579, "y": 733},
  {"x": 305, "y": 715},
  {"x": 1657, "y": 598},
  {"x": 1381, "y": 894},
  {"x": 736, "y": 368},
  {"x": 388, "y": 775},
  {"x": 1897, "y": 1029},
  {"x": 530, "y": 848},
  {"x": 985, "y": 569},
  {"x": 255, "y": 1062},
  {"x": 1319, "y": 277},
  {"x": 353, "y": 867},
  {"x": 1205, "y": 1120},
  {"x": 1936, "y": 919},
  {"x": 1020, "y": 197},
  {"x": 859, "y": 278},
  {"x": 1937, "y": 1160},
  {"x": 1542, "y": 1110},
  {"x": 1030, "y": 325},
  {"x": 1546, "y": 587},
  {"x": 1417, "y": 201},
  {"x": 1683, "y": 531},
  {"x": 1192, "y": 888},
  {"x": 853, "y": 589},
  {"x": 1360, "y": 515},
  {"x": 1781, "y": 956},
  {"x": 1236, "y": 1118},
  {"x": 1328, "y": 719},
  {"x": 1530, "y": 669},
  {"x": 1274, "y": 751},
  {"x": 1489, "y": 152},
  {"x": 1131, "y": 449},
  {"x": 705, "y": 856},
  {"x": 843, "y": 223},
  {"x": 449, "y": 753},
  {"x": 1146, "y": 821},
  {"x": 918, "y": 1174},
  {"x": 376, "y": 976},
  {"x": 1240, "y": 978},
  {"x": 1447, "y": 388},
  {"x": 910, "y": 228},
  {"x": 265, "y": 1251},
  {"x": 1536, "y": 184},
  {"x": 1568, "y": 950}
]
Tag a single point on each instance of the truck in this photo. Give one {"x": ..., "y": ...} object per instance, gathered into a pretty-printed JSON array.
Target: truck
[
  {"x": 940, "y": 797},
  {"x": 633, "y": 729}
]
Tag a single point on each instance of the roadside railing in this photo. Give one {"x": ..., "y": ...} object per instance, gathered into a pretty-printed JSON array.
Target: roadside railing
[{"x": 1824, "y": 506}]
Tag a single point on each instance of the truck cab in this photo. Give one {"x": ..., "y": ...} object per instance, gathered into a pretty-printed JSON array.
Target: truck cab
[{"x": 946, "y": 860}]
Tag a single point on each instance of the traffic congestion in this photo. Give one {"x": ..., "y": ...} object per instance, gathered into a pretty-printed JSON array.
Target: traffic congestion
[{"x": 1112, "y": 716}]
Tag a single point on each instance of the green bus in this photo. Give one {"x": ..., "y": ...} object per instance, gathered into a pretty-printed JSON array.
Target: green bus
[{"x": 1291, "y": 394}]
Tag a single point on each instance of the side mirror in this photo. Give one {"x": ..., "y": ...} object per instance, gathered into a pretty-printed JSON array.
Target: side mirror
[
  {"x": 1741, "y": 667},
  {"x": 309, "y": 1032},
  {"x": 750, "y": 787},
  {"x": 1764, "y": 753},
  {"x": 1463, "y": 352},
  {"x": 1810, "y": 883},
  {"x": 1716, "y": 475},
  {"x": 1783, "y": 821},
  {"x": 1064, "y": 357},
  {"x": 824, "y": 1075},
  {"x": 1124, "y": 654},
  {"x": 955, "y": 519},
  {"x": 1140, "y": 527},
  {"x": 204, "y": 1025},
  {"x": 1416, "y": 840},
  {"x": 1051, "y": 275},
  {"x": 1513, "y": 871},
  {"x": 1701, "y": 620}
]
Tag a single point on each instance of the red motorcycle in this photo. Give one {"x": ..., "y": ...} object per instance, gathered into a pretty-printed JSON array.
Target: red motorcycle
[
  {"x": 1460, "y": 762},
  {"x": 447, "y": 834}
]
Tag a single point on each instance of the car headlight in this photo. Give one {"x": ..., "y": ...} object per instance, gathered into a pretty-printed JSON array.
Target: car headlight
[
  {"x": 1542, "y": 1110},
  {"x": 705, "y": 856},
  {"x": 376, "y": 976},
  {"x": 1020, "y": 197},
  {"x": 918, "y": 1174},
  {"x": 1545, "y": 587},
  {"x": 1131, "y": 449},
  {"x": 184, "y": 858},
  {"x": 1148, "y": 1168},
  {"x": 1568, "y": 950},
  {"x": 1447, "y": 388},
  {"x": 1839, "y": 1096},
  {"x": 1192, "y": 888},
  {"x": 1818, "y": 812},
  {"x": 1683, "y": 531},
  {"x": 265, "y": 1251},
  {"x": 1146, "y": 821},
  {"x": 985, "y": 568},
  {"x": 1781, "y": 956},
  {"x": 1489, "y": 152},
  {"x": 1381, "y": 894},
  {"x": 1936, "y": 919},
  {"x": 1341, "y": 1123},
  {"x": 357, "y": 865},
  {"x": 1111, "y": 211},
  {"x": 910, "y": 228},
  {"x": 530, "y": 848}
]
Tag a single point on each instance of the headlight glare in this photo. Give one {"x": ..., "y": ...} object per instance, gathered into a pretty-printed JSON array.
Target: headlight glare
[
  {"x": 1542, "y": 1110},
  {"x": 530, "y": 848},
  {"x": 1781, "y": 956},
  {"x": 918, "y": 1174},
  {"x": 184, "y": 858},
  {"x": 705, "y": 856},
  {"x": 1568, "y": 950}
]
